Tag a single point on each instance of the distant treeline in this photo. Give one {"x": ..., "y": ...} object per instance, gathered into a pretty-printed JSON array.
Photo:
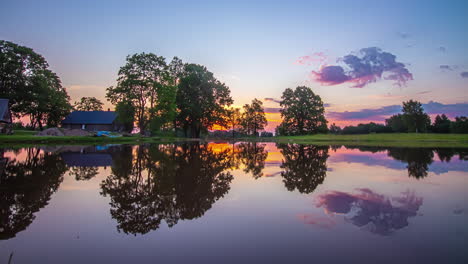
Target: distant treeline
[{"x": 412, "y": 119}]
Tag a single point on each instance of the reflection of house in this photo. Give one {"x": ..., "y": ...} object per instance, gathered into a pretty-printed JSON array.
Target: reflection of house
[
  {"x": 88, "y": 156},
  {"x": 92, "y": 121},
  {"x": 5, "y": 117},
  {"x": 76, "y": 159}
]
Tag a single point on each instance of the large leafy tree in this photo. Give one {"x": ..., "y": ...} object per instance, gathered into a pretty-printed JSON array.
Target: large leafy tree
[
  {"x": 33, "y": 89},
  {"x": 302, "y": 112},
  {"x": 414, "y": 117},
  {"x": 146, "y": 82},
  {"x": 253, "y": 118},
  {"x": 88, "y": 104},
  {"x": 202, "y": 101}
]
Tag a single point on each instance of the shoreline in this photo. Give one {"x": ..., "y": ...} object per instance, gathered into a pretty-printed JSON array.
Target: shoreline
[{"x": 384, "y": 140}]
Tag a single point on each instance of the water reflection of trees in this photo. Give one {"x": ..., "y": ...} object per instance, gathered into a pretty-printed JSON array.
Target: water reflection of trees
[
  {"x": 83, "y": 173},
  {"x": 149, "y": 184},
  {"x": 304, "y": 166},
  {"x": 253, "y": 156},
  {"x": 26, "y": 187},
  {"x": 418, "y": 159}
]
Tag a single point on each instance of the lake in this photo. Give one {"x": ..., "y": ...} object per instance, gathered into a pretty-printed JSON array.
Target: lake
[{"x": 233, "y": 203}]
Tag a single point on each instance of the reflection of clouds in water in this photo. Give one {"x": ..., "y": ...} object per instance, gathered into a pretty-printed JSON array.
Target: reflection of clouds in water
[
  {"x": 377, "y": 213},
  {"x": 316, "y": 220}
]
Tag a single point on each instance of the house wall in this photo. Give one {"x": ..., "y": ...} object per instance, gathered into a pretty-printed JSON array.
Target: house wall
[{"x": 92, "y": 127}]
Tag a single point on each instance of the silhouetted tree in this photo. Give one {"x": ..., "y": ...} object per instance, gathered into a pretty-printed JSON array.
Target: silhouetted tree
[
  {"x": 253, "y": 118},
  {"x": 88, "y": 104},
  {"x": 334, "y": 129},
  {"x": 32, "y": 88},
  {"x": 304, "y": 166},
  {"x": 233, "y": 119},
  {"x": 201, "y": 101},
  {"x": 414, "y": 117},
  {"x": 302, "y": 112},
  {"x": 147, "y": 83}
]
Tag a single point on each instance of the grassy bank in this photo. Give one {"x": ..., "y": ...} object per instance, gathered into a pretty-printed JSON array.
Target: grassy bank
[
  {"x": 384, "y": 140},
  {"x": 23, "y": 138}
]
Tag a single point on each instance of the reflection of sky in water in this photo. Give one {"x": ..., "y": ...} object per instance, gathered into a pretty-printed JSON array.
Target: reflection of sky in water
[{"x": 333, "y": 212}]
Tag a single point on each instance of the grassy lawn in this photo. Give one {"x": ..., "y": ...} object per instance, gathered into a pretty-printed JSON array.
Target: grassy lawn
[
  {"x": 25, "y": 137},
  {"x": 391, "y": 139}
]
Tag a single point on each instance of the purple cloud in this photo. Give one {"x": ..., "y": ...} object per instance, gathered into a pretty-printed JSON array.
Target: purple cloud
[
  {"x": 270, "y": 99},
  {"x": 446, "y": 67},
  {"x": 366, "y": 114},
  {"x": 371, "y": 65},
  {"x": 380, "y": 214},
  {"x": 464, "y": 74},
  {"x": 272, "y": 109},
  {"x": 432, "y": 108}
]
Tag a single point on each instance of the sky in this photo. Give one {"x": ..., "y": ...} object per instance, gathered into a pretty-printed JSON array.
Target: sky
[{"x": 362, "y": 57}]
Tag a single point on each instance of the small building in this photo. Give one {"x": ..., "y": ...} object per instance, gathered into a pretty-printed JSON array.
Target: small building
[
  {"x": 5, "y": 117},
  {"x": 92, "y": 121}
]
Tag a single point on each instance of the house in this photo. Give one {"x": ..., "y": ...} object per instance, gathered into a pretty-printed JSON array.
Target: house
[
  {"x": 92, "y": 121},
  {"x": 5, "y": 117}
]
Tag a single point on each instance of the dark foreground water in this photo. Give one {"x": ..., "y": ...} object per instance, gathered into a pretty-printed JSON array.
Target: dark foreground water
[{"x": 241, "y": 203}]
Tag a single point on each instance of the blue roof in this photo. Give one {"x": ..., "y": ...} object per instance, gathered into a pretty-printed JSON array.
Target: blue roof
[{"x": 90, "y": 117}]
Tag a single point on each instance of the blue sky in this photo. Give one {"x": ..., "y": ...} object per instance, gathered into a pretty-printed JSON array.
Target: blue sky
[{"x": 252, "y": 45}]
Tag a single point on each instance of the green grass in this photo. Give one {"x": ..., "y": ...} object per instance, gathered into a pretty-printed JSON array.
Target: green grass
[
  {"x": 27, "y": 138},
  {"x": 391, "y": 139}
]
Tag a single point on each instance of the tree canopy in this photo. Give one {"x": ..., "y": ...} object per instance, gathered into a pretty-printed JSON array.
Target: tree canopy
[
  {"x": 302, "y": 112},
  {"x": 88, "y": 104},
  {"x": 253, "y": 118},
  {"x": 202, "y": 101},
  {"x": 32, "y": 88},
  {"x": 146, "y": 82},
  {"x": 414, "y": 117}
]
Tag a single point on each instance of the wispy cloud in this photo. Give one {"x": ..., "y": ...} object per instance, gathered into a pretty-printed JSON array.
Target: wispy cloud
[
  {"x": 446, "y": 67},
  {"x": 403, "y": 35},
  {"x": 315, "y": 58},
  {"x": 464, "y": 74}
]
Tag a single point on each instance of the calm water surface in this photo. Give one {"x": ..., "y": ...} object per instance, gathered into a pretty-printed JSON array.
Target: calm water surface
[{"x": 236, "y": 203}]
